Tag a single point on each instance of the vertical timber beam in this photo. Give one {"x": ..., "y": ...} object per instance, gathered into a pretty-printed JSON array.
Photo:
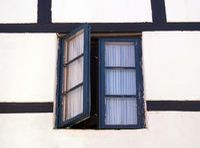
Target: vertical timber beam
[{"x": 44, "y": 11}]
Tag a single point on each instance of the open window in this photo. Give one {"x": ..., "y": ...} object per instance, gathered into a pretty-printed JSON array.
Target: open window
[
  {"x": 74, "y": 90},
  {"x": 101, "y": 87}
]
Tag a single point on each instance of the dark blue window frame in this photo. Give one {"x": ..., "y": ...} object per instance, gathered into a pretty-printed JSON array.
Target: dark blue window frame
[
  {"x": 139, "y": 83},
  {"x": 86, "y": 79}
]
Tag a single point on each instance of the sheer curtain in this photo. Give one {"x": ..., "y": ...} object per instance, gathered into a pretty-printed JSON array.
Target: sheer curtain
[
  {"x": 121, "y": 111},
  {"x": 73, "y": 77},
  {"x": 119, "y": 54},
  {"x": 73, "y": 103},
  {"x": 120, "y": 83}
]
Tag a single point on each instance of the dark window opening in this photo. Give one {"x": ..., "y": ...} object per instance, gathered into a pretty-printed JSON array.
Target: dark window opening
[{"x": 92, "y": 122}]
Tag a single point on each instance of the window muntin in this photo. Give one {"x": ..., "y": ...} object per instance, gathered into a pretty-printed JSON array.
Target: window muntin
[{"x": 119, "y": 83}]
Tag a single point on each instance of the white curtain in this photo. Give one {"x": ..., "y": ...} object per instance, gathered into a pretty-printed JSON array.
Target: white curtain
[
  {"x": 121, "y": 111},
  {"x": 119, "y": 81},
  {"x": 73, "y": 103},
  {"x": 73, "y": 75},
  {"x": 120, "y": 54},
  {"x": 75, "y": 46}
]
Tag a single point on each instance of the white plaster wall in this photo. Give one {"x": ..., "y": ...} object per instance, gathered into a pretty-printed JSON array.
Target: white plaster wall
[
  {"x": 18, "y": 11},
  {"x": 183, "y": 10},
  {"x": 165, "y": 129},
  {"x": 101, "y": 11},
  {"x": 27, "y": 67},
  {"x": 171, "y": 65}
]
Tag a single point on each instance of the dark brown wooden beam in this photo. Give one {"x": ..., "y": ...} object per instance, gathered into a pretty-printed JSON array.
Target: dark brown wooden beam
[{"x": 48, "y": 106}]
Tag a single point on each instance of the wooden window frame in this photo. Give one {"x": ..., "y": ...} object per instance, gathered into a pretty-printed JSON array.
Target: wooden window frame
[
  {"x": 139, "y": 83},
  {"x": 86, "y": 78}
]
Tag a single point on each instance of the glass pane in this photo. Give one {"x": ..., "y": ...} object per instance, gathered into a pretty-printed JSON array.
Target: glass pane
[
  {"x": 120, "y": 82},
  {"x": 73, "y": 74},
  {"x": 74, "y": 46},
  {"x": 73, "y": 103},
  {"x": 120, "y": 111},
  {"x": 120, "y": 54}
]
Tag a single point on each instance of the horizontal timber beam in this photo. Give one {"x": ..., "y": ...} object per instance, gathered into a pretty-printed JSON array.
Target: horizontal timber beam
[
  {"x": 47, "y": 107},
  {"x": 98, "y": 27}
]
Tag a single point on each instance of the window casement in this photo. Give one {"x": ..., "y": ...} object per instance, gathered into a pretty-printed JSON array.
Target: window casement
[
  {"x": 119, "y": 81},
  {"x": 99, "y": 81},
  {"x": 74, "y": 85}
]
